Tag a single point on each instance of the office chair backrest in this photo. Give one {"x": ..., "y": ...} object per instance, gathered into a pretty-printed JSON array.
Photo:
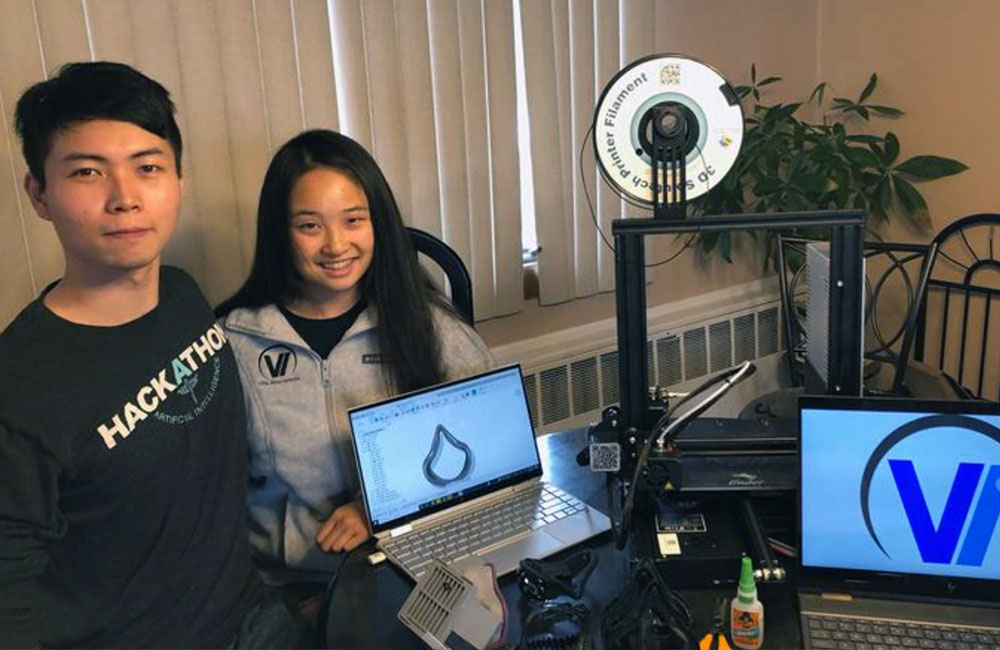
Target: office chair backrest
[
  {"x": 453, "y": 267},
  {"x": 955, "y": 328}
]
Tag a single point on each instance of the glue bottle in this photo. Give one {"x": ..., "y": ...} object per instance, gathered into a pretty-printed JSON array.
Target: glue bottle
[{"x": 747, "y": 613}]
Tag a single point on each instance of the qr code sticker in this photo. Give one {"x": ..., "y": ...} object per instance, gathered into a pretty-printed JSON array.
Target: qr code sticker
[{"x": 605, "y": 456}]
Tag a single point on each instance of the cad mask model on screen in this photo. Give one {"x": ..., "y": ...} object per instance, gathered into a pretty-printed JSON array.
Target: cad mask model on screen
[
  {"x": 969, "y": 492},
  {"x": 442, "y": 434}
]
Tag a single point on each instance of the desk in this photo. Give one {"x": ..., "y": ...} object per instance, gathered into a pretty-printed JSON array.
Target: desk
[{"x": 364, "y": 605}]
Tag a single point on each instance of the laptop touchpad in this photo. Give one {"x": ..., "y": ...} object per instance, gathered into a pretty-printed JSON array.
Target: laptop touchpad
[{"x": 507, "y": 557}]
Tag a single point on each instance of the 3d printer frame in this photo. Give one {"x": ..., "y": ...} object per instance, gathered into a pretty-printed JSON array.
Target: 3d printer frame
[{"x": 845, "y": 306}]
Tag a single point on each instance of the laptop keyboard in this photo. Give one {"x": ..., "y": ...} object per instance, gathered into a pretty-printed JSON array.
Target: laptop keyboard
[
  {"x": 841, "y": 632},
  {"x": 454, "y": 539}
]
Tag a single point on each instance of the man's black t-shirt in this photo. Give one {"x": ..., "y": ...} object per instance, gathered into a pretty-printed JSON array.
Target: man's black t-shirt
[{"x": 123, "y": 479}]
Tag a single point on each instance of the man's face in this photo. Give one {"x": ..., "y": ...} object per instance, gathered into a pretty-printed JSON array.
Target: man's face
[{"x": 112, "y": 191}]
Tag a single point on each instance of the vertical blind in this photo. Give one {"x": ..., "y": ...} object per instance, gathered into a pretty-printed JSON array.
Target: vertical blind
[
  {"x": 572, "y": 48},
  {"x": 427, "y": 86}
]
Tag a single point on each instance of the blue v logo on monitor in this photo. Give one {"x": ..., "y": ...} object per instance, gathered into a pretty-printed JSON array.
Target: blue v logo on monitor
[
  {"x": 938, "y": 544},
  {"x": 962, "y": 511}
]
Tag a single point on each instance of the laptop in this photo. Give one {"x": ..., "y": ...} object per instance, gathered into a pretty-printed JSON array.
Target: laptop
[
  {"x": 452, "y": 472},
  {"x": 898, "y": 515}
]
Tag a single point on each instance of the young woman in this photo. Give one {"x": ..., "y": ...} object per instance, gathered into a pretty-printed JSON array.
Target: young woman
[{"x": 337, "y": 312}]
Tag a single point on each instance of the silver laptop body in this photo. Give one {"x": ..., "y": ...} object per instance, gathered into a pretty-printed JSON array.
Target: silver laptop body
[{"x": 452, "y": 472}]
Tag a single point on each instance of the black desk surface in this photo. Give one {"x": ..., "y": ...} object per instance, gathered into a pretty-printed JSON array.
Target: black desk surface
[{"x": 366, "y": 599}]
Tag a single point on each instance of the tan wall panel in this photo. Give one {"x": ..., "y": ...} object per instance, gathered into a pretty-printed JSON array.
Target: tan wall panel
[
  {"x": 418, "y": 119},
  {"x": 349, "y": 55},
  {"x": 111, "y": 30},
  {"x": 208, "y": 154},
  {"x": 22, "y": 67},
  {"x": 607, "y": 205},
  {"x": 479, "y": 243},
  {"x": 312, "y": 24},
  {"x": 555, "y": 268},
  {"x": 506, "y": 190},
  {"x": 63, "y": 32},
  {"x": 16, "y": 286},
  {"x": 246, "y": 118},
  {"x": 447, "y": 89},
  {"x": 278, "y": 69},
  {"x": 384, "y": 67},
  {"x": 581, "y": 23}
]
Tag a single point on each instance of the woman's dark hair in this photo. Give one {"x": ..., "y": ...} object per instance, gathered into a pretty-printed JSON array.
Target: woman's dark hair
[
  {"x": 82, "y": 92},
  {"x": 395, "y": 283}
]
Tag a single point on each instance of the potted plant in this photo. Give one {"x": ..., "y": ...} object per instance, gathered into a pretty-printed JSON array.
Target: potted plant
[{"x": 790, "y": 164}]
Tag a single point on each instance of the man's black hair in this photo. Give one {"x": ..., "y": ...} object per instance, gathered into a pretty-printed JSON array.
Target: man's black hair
[{"x": 81, "y": 92}]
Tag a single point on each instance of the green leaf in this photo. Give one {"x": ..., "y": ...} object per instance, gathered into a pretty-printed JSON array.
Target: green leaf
[
  {"x": 909, "y": 196},
  {"x": 878, "y": 151},
  {"x": 891, "y": 148},
  {"x": 843, "y": 190},
  {"x": 768, "y": 81},
  {"x": 882, "y": 200},
  {"x": 862, "y": 137},
  {"x": 795, "y": 202},
  {"x": 930, "y": 167},
  {"x": 781, "y": 112},
  {"x": 869, "y": 89},
  {"x": 707, "y": 241},
  {"x": 817, "y": 93},
  {"x": 822, "y": 152},
  {"x": 885, "y": 111},
  {"x": 726, "y": 246},
  {"x": 769, "y": 185},
  {"x": 815, "y": 183},
  {"x": 862, "y": 157}
]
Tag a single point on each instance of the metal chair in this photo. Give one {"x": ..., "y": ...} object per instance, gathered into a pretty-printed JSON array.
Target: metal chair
[
  {"x": 950, "y": 326},
  {"x": 452, "y": 265}
]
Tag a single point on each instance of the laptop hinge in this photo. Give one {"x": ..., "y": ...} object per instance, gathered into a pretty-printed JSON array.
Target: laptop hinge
[
  {"x": 836, "y": 595},
  {"x": 402, "y": 530}
]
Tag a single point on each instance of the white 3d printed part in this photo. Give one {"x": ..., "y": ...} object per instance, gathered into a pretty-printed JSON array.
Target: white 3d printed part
[{"x": 445, "y": 601}]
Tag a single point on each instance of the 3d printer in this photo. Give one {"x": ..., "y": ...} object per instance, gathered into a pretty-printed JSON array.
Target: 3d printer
[{"x": 666, "y": 129}]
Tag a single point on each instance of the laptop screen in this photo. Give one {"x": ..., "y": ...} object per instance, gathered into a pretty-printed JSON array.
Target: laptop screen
[
  {"x": 426, "y": 451},
  {"x": 901, "y": 487}
]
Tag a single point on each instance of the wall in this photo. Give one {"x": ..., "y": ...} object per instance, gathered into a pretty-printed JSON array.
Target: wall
[{"x": 936, "y": 62}]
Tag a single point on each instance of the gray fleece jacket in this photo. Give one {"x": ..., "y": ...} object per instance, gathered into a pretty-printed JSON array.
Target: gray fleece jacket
[{"x": 301, "y": 463}]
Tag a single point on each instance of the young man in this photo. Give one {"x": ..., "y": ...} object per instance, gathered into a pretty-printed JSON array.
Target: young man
[{"x": 122, "y": 430}]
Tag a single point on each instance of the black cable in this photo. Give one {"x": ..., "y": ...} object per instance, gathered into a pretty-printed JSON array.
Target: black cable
[
  {"x": 645, "y": 606},
  {"x": 324, "y": 611},
  {"x": 628, "y": 502}
]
